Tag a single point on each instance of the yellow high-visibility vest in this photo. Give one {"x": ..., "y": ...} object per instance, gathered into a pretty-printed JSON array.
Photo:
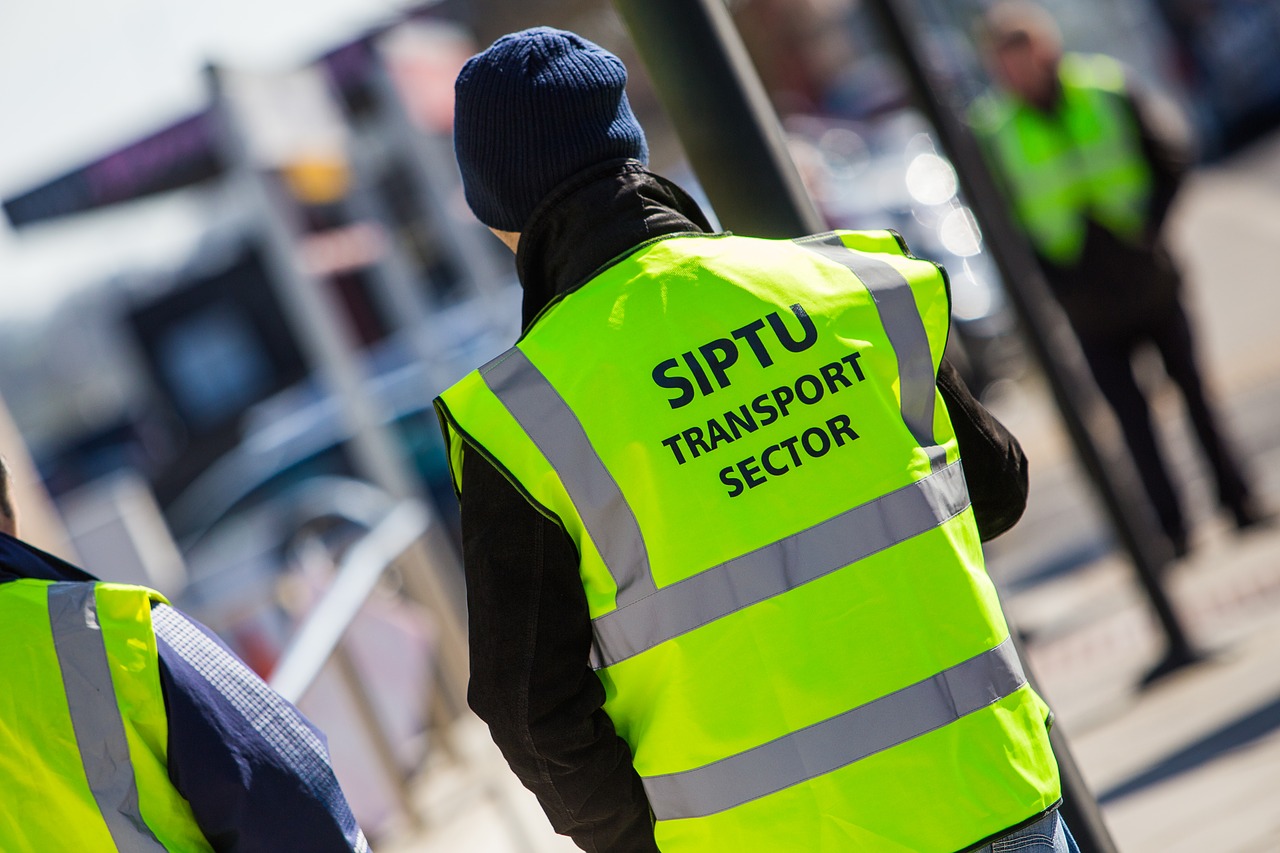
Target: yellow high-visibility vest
[
  {"x": 792, "y": 620},
  {"x": 1082, "y": 162},
  {"x": 83, "y": 729}
]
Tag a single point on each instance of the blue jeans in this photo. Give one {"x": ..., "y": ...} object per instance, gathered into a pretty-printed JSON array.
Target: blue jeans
[{"x": 1049, "y": 835}]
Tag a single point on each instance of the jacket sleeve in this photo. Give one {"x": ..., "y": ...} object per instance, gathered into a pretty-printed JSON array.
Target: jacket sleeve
[
  {"x": 255, "y": 771},
  {"x": 1168, "y": 157},
  {"x": 530, "y": 636},
  {"x": 994, "y": 465}
]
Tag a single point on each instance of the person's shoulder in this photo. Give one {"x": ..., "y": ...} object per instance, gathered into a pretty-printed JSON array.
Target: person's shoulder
[
  {"x": 20, "y": 559},
  {"x": 885, "y": 241},
  {"x": 1095, "y": 70}
]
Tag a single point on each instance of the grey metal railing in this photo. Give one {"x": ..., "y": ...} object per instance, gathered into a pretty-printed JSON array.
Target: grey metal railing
[
  {"x": 320, "y": 639},
  {"x": 358, "y": 574},
  {"x": 395, "y": 533}
]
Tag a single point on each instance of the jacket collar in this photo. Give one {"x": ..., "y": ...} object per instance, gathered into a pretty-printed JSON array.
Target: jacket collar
[
  {"x": 592, "y": 219},
  {"x": 20, "y": 560}
]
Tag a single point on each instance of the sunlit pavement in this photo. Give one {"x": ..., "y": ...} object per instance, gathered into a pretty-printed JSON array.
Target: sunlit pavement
[{"x": 474, "y": 803}]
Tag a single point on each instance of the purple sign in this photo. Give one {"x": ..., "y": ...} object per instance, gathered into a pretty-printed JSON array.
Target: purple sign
[{"x": 180, "y": 155}]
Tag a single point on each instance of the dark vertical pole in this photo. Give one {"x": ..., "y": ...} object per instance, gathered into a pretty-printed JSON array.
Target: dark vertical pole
[
  {"x": 1058, "y": 352},
  {"x": 1110, "y": 469},
  {"x": 1079, "y": 807},
  {"x": 730, "y": 133},
  {"x": 731, "y": 136}
]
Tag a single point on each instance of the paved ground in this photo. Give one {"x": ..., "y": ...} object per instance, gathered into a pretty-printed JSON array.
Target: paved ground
[{"x": 1190, "y": 763}]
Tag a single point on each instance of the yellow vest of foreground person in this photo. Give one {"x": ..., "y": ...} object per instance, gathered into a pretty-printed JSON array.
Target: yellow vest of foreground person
[
  {"x": 792, "y": 621},
  {"x": 83, "y": 730},
  {"x": 1082, "y": 162}
]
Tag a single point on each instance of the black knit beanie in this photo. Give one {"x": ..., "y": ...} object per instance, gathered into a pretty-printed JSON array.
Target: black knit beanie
[{"x": 531, "y": 111}]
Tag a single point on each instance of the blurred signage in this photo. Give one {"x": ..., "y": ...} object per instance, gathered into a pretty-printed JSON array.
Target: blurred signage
[
  {"x": 350, "y": 70},
  {"x": 217, "y": 344},
  {"x": 423, "y": 57},
  {"x": 182, "y": 154},
  {"x": 214, "y": 345}
]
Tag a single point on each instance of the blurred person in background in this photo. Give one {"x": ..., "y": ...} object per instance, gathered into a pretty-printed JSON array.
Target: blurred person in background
[
  {"x": 1090, "y": 180},
  {"x": 124, "y": 725},
  {"x": 725, "y": 583}
]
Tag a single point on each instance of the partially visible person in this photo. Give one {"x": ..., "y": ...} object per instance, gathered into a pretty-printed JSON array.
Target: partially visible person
[
  {"x": 125, "y": 725},
  {"x": 1090, "y": 180}
]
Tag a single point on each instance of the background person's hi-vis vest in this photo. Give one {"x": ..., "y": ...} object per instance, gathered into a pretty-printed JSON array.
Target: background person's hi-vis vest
[
  {"x": 1082, "y": 162},
  {"x": 83, "y": 730},
  {"x": 793, "y": 624}
]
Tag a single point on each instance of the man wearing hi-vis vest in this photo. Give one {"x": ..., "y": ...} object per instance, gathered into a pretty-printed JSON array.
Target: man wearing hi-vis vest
[
  {"x": 1090, "y": 181},
  {"x": 125, "y": 727},
  {"x": 725, "y": 582}
]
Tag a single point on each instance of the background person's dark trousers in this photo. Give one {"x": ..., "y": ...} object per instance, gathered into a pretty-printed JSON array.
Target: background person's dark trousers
[{"x": 1111, "y": 361}]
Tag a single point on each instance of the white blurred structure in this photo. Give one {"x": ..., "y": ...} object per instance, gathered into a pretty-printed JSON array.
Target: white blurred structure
[{"x": 116, "y": 527}]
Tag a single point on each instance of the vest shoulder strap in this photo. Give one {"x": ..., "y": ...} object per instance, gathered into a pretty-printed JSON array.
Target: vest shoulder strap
[{"x": 1092, "y": 71}]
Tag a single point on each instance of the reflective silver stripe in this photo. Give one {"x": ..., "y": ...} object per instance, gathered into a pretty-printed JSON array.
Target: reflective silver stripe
[
  {"x": 776, "y": 568},
  {"x": 905, "y": 329},
  {"x": 104, "y": 749},
  {"x": 841, "y": 740},
  {"x": 558, "y": 434}
]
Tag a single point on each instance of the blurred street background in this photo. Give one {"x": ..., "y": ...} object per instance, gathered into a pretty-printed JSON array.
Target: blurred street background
[{"x": 236, "y": 266}]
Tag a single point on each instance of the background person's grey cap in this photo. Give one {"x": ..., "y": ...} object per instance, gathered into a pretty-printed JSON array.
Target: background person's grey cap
[{"x": 531, "y": 111}]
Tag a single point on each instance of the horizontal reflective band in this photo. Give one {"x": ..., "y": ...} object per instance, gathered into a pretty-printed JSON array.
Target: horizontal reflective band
[
  {"x": 774, "y": 569},
  {"x": 95, "y": 716},
  {"x": 905, "y": 329},
  {"x": 556, "y": 431},
  {"x": 839, "y": 741}
]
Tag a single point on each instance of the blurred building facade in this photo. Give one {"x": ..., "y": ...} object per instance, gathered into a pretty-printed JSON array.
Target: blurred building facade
[
  {"x": 184, "y": 415},
  {"x": 166, "y": 371}
]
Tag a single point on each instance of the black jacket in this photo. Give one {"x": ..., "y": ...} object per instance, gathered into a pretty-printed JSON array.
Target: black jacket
[{"x": 530, "y": 632}]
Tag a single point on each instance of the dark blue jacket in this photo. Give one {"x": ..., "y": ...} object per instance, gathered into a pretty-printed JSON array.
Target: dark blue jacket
[{"x": 255, "y": 771}]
